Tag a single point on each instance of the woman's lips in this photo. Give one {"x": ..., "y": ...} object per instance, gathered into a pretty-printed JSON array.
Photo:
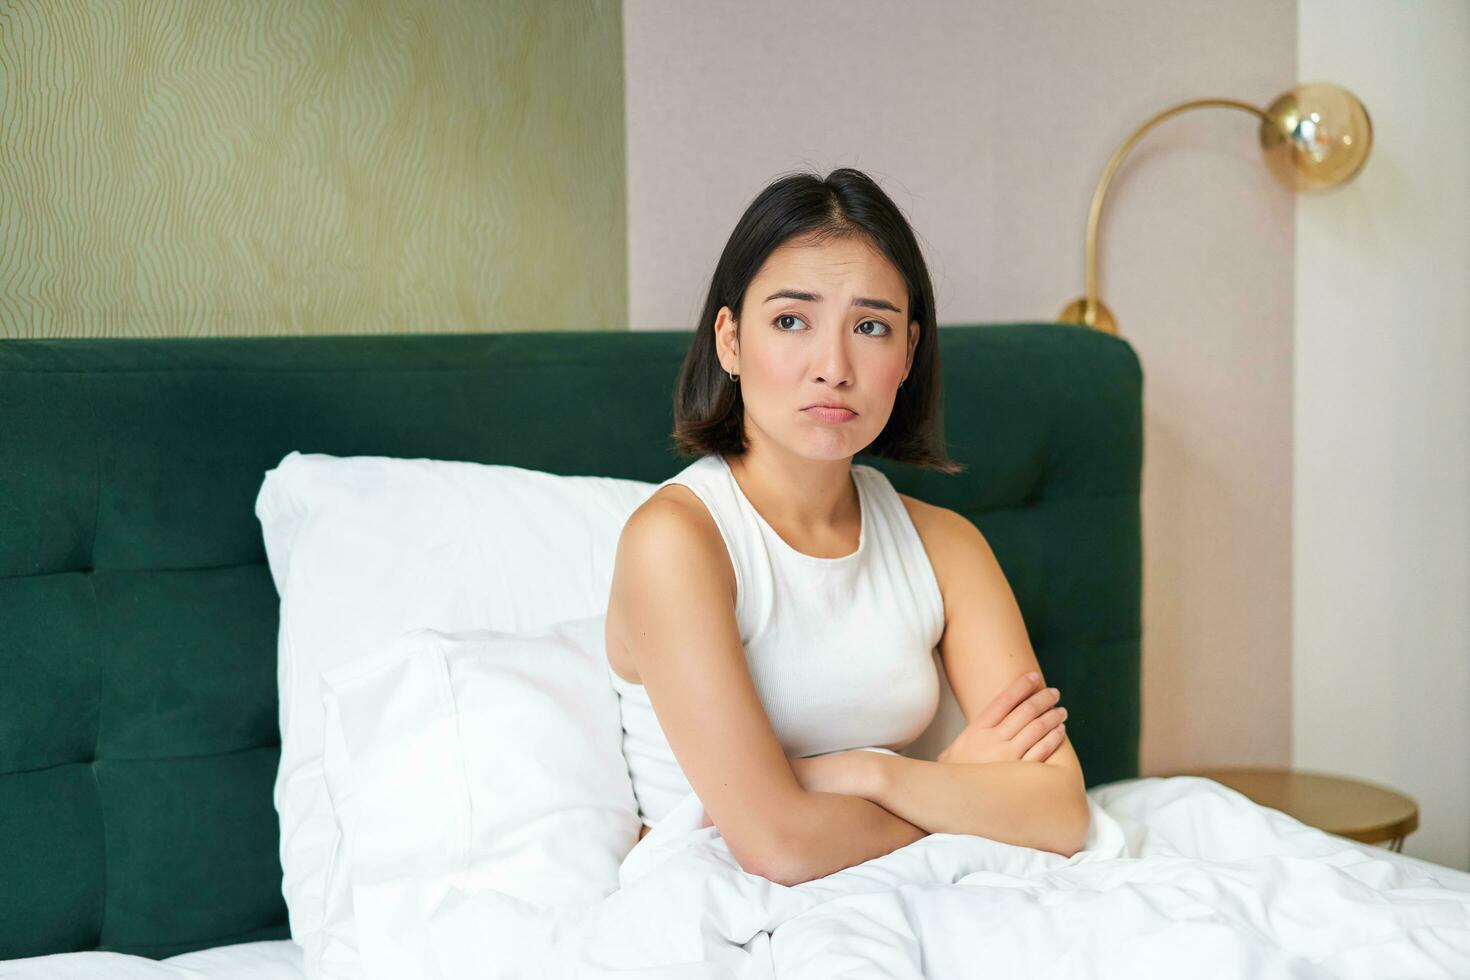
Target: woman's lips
[{"x": 830, "y": 414}]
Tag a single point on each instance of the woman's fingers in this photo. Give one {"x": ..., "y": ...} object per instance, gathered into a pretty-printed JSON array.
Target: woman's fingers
[
  {"x": 1028, "y": 710},
  {"x": 1034, "y": 731},
  {"x": 1006, "y": 701},
  {"x": 1049, "y": 743}
]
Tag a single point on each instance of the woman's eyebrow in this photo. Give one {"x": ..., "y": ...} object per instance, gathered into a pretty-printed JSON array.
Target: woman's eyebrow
[{"x": 872, "y": 304}]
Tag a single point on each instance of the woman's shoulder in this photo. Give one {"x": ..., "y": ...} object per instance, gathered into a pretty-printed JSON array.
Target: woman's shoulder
[
  {"x": 926, "y": 516},
  {"x": 933, "y": 522},
  {"x": 947, "y": 535},
  {"x": 669, "y": 551},
  {"x": 672, "y": 533},
  {"x": 677, "y": 506},
  {"x": 673, "y": 509},
  {"x": 930, "y": 520}
]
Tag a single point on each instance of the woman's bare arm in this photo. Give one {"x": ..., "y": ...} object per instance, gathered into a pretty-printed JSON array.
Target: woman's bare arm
[
  {"x": 1026, "y": 803},
  {"x": 842, "y": 831}
]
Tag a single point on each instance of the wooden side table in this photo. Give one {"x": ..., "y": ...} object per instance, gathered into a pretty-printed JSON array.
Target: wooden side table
[{"x": 1351, "y": 808}]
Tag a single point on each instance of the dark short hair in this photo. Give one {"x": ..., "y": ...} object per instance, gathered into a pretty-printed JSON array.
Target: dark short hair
[{"x": 709, "y": 413}]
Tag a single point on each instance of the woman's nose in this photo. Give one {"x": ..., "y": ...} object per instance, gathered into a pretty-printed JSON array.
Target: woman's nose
[{"x": 835, "y": 366}]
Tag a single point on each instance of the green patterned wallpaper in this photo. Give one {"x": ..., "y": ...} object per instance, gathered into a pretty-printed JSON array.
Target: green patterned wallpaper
[{"x": 228, "y": 167}]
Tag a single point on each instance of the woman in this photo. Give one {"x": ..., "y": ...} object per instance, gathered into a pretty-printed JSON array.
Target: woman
[{"x": 774, "y": 607}]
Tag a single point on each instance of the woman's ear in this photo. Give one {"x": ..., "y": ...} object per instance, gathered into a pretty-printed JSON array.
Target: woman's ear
[
  {"x": 913, "y": 343},
  {"x": 727, "y": 342}
]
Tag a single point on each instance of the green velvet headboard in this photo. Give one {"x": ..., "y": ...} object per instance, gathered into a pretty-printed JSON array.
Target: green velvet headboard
[{"x": 138, "y": 712}]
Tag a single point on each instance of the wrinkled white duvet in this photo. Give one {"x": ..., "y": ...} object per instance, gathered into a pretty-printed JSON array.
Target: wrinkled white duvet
[{"x": 1182, "y": 877}]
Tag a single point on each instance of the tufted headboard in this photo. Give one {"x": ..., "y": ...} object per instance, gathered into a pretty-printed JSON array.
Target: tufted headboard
[{"x": 138, "y": 711}]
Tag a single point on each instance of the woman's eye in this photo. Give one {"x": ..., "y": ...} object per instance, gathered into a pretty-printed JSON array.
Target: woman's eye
[{"x": 885, "y": 330}]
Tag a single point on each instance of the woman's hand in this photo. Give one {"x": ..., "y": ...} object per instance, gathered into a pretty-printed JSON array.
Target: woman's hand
[{"x": 1015, "y": 727}]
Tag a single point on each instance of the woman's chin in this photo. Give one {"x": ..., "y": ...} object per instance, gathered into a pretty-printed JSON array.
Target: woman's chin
[{"x": 829, "y": 445}]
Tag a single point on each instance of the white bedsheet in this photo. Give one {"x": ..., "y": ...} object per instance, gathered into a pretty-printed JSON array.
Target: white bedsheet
[
  {"x": 278, "y": 959},
  {"x": 1182, "y": 877}
]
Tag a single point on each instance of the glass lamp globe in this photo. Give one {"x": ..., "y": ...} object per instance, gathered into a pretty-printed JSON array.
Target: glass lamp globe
[{"x": 1316, "y": 136}]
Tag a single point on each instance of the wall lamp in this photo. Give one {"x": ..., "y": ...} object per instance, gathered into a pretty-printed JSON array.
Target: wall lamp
[{"x": 1314, "y": 137}]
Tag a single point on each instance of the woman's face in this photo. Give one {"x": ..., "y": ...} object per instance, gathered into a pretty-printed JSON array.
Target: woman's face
[{"x": 821, "y": 323}]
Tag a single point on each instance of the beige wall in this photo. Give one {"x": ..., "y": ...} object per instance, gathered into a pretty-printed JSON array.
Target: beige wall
[
  {"x": 989, "y": 124},
  {"x": 284, "y": 167},
  {"x": 1382, "y": 523}
]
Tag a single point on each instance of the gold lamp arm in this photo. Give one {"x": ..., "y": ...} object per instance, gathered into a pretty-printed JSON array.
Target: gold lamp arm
[
  {"x": 1316, "y": 135},
  {"x": 1091, "y": 311}
]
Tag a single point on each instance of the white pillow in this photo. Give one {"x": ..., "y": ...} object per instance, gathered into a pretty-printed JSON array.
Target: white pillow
[
  {"x": 471, "y": 761},
  {"x": 363, "y": 549}
]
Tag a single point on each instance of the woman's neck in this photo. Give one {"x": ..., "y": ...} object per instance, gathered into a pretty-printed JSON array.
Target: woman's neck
[{"x": 814, "y": 499}]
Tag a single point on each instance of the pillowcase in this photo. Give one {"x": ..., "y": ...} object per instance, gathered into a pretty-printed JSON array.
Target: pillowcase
[
  {"x": 363, "y": 549},
  {"x": 472, "y": 760}
]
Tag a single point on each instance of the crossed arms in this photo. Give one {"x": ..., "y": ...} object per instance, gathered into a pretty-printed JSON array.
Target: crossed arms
[{"x": 673, "y": 580}]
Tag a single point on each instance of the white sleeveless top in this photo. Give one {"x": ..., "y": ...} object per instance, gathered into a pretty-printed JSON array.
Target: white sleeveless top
[{"x": 842, "y": 650}]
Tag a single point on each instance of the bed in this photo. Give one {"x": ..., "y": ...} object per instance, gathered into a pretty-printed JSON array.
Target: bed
[{"x": 139, "y": 735}]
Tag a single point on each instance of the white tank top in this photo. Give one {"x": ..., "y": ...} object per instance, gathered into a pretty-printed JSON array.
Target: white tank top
[{"x": 842, "y": 650}]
